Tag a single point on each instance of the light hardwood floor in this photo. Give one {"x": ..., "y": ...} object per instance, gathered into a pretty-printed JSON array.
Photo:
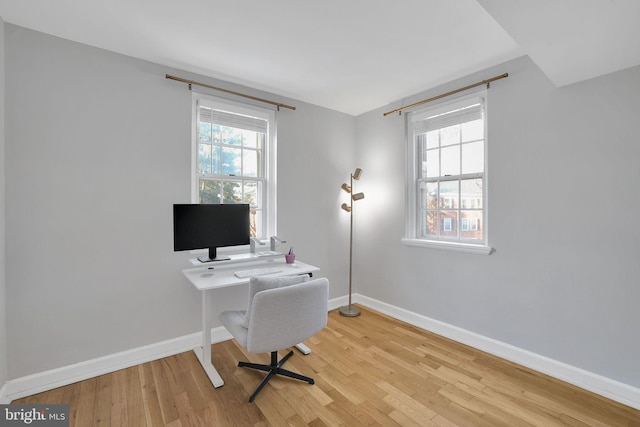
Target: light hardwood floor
[{"x": 369, "y": 371}]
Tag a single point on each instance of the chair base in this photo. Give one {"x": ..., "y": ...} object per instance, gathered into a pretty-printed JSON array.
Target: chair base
[{"x": 275, "y": 368}]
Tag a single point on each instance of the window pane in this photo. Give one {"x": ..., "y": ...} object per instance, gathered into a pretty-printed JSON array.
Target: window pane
[
  {"x": 215, "y": 159},
  {"x": 231, "y": 136},
  {"x": 472, "y": 131},
  {"x": 250, "y": 193},
  {"x": 204, "y": 132},
  {"x": 433, "y": 139},
  {"x": 215, "y": 134},
  {"x": 255, "y": 219},
  {"x": 450, "y": 135},
  {"x": 473, "y": 157},
  {"x": 432, "y": 195},
  {"x": 431, "y": 165},
  {"x": 248, "y": 138},
  {"x": 209, "y": 191},
  {"x": 427, "y": 214},
  {"x": 449, "y": 223},
  {"x": 232, "y": 192},
  {"x": 250, "y": 163},
  {"x": 471, "y": 193},
  {"x": 252, "y": 139},
  {"x": 450, "y": 161},
  {"x": 473, "y": 221},
  {"x": 429, "y": 224},
  {"x": 204, "y": 158},
  {"x": 231, "y": 161},
  {"x": 423, "y": 196},
  {"x": 208, "y": 159},
  {"x": 421, "y": 146},
  {"x": 449, "y": 195}
]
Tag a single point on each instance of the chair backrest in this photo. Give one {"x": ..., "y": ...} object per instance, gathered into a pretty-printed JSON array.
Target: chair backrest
[{"x": 283, "y": 317}]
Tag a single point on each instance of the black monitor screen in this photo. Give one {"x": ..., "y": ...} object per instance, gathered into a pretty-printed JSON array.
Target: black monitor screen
[{"x": 208, "y": 226}]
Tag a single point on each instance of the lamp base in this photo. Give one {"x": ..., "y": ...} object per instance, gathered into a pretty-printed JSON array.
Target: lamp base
[{"x": 349, "y": 311}]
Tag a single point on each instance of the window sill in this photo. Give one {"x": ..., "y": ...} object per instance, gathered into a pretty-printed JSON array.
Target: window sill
[{"x": 452, "y": 246}]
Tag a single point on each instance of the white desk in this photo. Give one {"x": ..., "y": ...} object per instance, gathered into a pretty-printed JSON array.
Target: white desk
[{"x": 221, "y": 275}]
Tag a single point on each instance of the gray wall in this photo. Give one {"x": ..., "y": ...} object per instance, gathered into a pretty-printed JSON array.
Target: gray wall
[
  {"x": 98, "y": 149},
  {"x": 563, "y": 204},
  {"x": 3, "y": 283}
]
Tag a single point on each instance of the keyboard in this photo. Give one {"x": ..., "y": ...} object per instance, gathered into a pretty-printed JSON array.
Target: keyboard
[{"x": 257, "y": 272}]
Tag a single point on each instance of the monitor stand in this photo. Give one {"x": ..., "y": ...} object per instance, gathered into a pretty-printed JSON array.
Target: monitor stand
[{"x": 213, "y": 257}]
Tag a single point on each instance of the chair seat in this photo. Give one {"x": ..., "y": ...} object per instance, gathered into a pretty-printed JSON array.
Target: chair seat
[{"x": 232, "y": 321}]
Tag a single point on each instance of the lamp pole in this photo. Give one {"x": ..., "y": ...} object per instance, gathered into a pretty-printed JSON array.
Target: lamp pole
[{"x": 349, "y": 310}]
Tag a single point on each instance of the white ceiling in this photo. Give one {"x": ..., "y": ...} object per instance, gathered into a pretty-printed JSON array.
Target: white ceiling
[
  {"x": 349, "y": 55},
  {"x": 573, "y": 40}
]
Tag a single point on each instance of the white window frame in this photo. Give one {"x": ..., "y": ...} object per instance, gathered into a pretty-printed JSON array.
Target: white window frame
[
  {"x": 412, "y": 197},
  {"x": 268, "y": 163}
]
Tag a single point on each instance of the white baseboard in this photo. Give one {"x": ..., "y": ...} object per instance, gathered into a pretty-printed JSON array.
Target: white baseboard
[
  {"x": 4, "y": 399},
  {"x": 36, "y": 383},
  {"x": 336, "y": 303},
  {"x": 48, "y": 380},
  {"x": 612, "y": 389}
]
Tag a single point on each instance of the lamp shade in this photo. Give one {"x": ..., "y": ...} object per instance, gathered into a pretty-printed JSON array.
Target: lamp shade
[{"x": 358, "y": 196}]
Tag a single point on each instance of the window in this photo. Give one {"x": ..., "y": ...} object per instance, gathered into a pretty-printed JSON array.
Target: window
[
  {"x": 234, "y": 160},
  {"x": 446, "y": 175}
]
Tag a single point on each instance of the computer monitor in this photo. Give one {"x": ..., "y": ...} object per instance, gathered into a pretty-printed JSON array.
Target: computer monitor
[{"x": 209, "y": 226}]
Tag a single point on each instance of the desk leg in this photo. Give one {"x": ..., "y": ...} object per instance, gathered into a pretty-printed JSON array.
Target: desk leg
[{"x": 204, "y": 353}]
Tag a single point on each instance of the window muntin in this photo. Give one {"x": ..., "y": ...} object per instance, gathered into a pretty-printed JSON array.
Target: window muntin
[
  {"x": 233, "y": 160},
  {"x": 446, "y": 173}
]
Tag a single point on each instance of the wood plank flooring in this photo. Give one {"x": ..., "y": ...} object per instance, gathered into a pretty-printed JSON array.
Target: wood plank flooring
[{"x": 369, "y": 371}]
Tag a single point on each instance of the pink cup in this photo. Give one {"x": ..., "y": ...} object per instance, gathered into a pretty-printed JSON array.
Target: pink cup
[{"x": 290, "y": 258}]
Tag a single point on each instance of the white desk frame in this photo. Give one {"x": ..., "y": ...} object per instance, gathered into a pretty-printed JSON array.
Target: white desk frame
[{"x": 216, "y": 275}]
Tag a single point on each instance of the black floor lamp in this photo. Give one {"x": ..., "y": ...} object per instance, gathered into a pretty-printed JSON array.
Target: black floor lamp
[{"x": 350, "y": 310}]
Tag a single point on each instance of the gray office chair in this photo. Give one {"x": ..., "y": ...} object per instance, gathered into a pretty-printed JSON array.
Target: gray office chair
[{"x": 282, "y": 312}]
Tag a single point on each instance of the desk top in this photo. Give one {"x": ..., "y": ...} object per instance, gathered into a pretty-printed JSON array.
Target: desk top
[{"x": 222, "y": 275}]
